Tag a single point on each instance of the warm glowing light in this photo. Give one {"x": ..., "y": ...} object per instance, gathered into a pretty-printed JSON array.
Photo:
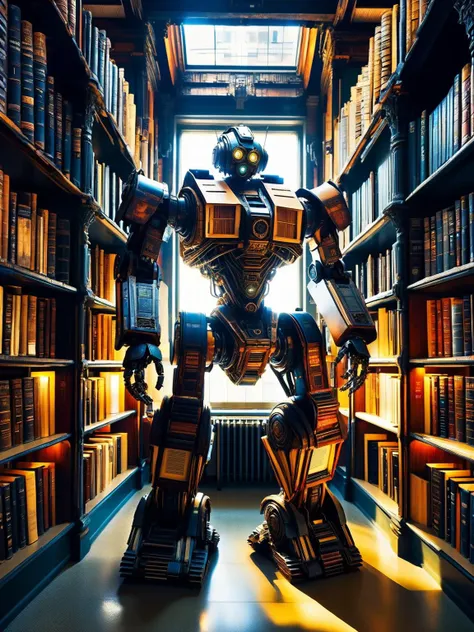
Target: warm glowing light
[
  {"x": 253, "y": 157},
  {"x": 238, "y": 153}
]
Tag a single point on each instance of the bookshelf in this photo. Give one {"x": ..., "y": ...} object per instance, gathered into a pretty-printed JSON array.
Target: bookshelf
[
  {"x": 59, "y": 371},
  {"x": 422, "y": 94}
]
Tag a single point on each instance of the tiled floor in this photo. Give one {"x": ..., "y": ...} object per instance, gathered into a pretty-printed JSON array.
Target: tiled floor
[{"x": 243, "y": 592}]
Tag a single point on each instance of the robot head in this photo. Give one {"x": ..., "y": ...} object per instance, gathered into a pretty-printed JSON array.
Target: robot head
[{"x": 238, "y": 155}]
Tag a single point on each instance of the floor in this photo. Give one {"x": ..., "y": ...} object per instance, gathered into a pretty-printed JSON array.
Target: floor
[{"x": 243, "y": 592}]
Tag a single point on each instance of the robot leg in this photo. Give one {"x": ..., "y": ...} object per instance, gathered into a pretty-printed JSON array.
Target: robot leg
[
  {"x": 304, "y": 527},
  {"x": 171, "y": 537}
]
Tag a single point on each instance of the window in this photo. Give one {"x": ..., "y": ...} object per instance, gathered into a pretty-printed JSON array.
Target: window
[
  {"x": 241, "y": 46},
  {"x": 195, "y": 151}
]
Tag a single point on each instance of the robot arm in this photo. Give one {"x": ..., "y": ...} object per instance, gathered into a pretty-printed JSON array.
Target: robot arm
[
  {"x": 148, "y": 208},
  {"x": 338, "y": 299}
]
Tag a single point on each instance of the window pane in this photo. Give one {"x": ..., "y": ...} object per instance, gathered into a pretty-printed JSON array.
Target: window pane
[{"x": 244, "y": 46}]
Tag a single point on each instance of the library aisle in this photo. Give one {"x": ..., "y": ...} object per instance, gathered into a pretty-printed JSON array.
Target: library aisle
[{"x": 242, "y": 593}]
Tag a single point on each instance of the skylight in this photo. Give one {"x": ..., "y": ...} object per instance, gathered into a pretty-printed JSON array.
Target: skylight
[{"x": 219, "y": 46}]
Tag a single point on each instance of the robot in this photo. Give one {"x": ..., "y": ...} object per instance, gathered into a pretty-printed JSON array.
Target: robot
[{"x": 238, "y": 231}]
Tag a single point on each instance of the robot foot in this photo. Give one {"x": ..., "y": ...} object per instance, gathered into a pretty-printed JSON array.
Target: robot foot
[
  {"x": 170, "y": 554},
  {"x": 302, "y": 545}
]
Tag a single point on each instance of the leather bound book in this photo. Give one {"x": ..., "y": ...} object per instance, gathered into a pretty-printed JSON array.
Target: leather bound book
[
  {"x": 433, "y": 244},
  {"x": 431, "y": 328},
  {"x": 58, "y": 131},
  {"x": 50, "y": 125},
  {"x": 63, "y": 250},
  {"x": 41, "y": 334},
  {"x": 31, "y": 326},
  {"x": 469, "y": 385},
  {"x": 443, "y": 410},
  {"x": 28, "y": 410},
  {"x": 71, "y": 17},
  {"x": 457, "y": 238},
  {"x": 460, "y": 407},
  {"x": 12, "y": 228},
  {"x": 34, "y": 209},
  {"x": 447, "y": 327},
  {"x": 451, "y": 239},
  {"x": 439, "y": 329},
  {"x": 7, "y": 325},
  {"x": 63, "y": 9},
  {"x": 451, "y": 409},
  {"x": 471, "y": 227},
  {"x": 39, "y": 478},
  {"x": 5, "y": 490},
  {"x": 16, "y": 393},
  {"x": 27, "y": 82},
  {"x": 3, "y": 549},
  {"x": 87, "y": 36},
  {"x": 95, "y": 51},
  {"x": 12, "y": 481},
  {"x": 3, "y": 56},
  {"x": 76, "y": 153},
  {"x": 467, "y": 326},
  {"x": 464, "y": 241},
  {"x": 52, "y": 347},
  {"x": 14, "y": 64},
  {"x": 465, "y": 104},
  {"x": 52, "y": 245},
  {"x": 465, "y": 490},
  {"x": 416, "y": 249},
  {"x": 457, "y": 326},
  {"x": 5, "y": 416},
  {"x": 29, "y": 478},
  {"x": 439, "y": 241},
  {"x": 40, "y": 70},
  {"x": 102, "y": 45},
  {"x": 427, "y": 246},
  {"x": 47, "y": 329},
  {"x": 67, "y": 146},
  {"x": 24, "y": 325},
  {"x": 457, "y": 109}
]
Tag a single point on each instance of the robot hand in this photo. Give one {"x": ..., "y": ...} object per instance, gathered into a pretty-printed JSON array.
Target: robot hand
[
  {"x": 137, "y": 358},
  {"x": 358, "y": 354}
]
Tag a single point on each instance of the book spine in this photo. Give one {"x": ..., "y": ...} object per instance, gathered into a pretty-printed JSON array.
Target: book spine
[
  {"x": 469, "y": 386},
  {"x": 50, "y": 119},
  {"x": 416, "y": 249},
  {"x": 71, "y": 17},
  {"x": 424, "y": 146},
  {"x": 63, "y": 9},
  {"x": 458, "y": 326},
  {"x": 426, "y": 246},
  {"x": 41, "y": 319},
  {"x": 67, "y": 146},
  {"x": 443, "y": 407},
  {"x": 456, "y": 114},
  {"x": 439, "y": 242},
  {"x": 451, "y": 409},
  {"x": 451, "y": 239},
  {"x": 87, "y": 36},
  {"x": 102, "y": 43},
  {"x": 3, "y": 55},
  {"x": 471, "y": 227},
  {"x": 447, "y": 328},
  {"x": 28, "y": 410},
  {"x": 460, "y": 407},
  {"x": 52, "y": 348},
  {"x": 467, "y": 318},
  {"x": 7, "y": 521},
  {"x": 17, "y": 411},
  {"x": 433, "y": 244},
  {"x": 23, "y": 231},
  {"x": 27, "y": 82},
  {"x": 457, "y": 222},
  {"x": 58, "y": 132},
  {"x": 95, "y": 51},
  {"x": 76, "y": 156},
  {"x": 437, "y": 498},
  {"x": 7, "y": 325},
  {"x": 464, "y": 211},
  {"x": 3, "y": 550},
  {"x": 466, "y": 104},
  {"x": 471, "y": 531},
  {"x": 431, "y": 328},
  {"x": 5, "y": 416},
  {"x": 63, "y": 239},
  {"x": 12, "y": 228},
  {"x": 52, "y": 245},
  {"x": 465, "y": 498},
  {"x": 40, "y": 73},
  {"x": 14, "y": 64}
]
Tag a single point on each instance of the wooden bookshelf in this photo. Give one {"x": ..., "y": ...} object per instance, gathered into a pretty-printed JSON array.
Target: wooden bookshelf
[
  {"x": 375, "y": 420},
  {"x": 108, "y": 421},
  {"x": 32, "y": 446},
  {"x": 458, "y": 448},
  {"x": 106, "y": 232},
  {"x": 389, "y": 361},
  {"x": 386, "y": 504},
  {"x": 10, "y": 273},
  {"x": 116, "y": 483},
  {"x": 103, "y": 364},
  {"x": 377, "y": 236},
  {"x": 382, "y": 299},
  {"x": 34, "y": 362},
  {"x": 101, "y": 304},
  {"x": 453, "y": 280},
  {"x": 457, "y": 361}
]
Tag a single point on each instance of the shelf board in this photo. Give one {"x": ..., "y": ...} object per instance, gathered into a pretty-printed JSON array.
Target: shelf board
[
  {"x": 373, "y": 126},
  {"x": 458, "y": 361},
  {"x": 375, "y": 420},
  {"x": 443, "y": 549},
  {"x": 108, "y": 421},
  {"x": 101, "y": 304},
  {"x": 22, "y": 556},
  {"x": 33, "y": 361},
  {"x": 117, "y": 482},
  {"x": 30, "y": 167},
  {"x": 452, "y": 179},
  {"x": 103, "y": 364},
  {"x": 458, "y": 448},
  {"x": 384, "y": 502},
  {"x": 376, "y": 237},
  {"x": 106, "y": 232},
  {"x": 382, "y": 298},
  {"x": 38, "y": 444},
  {"x": 390, "y": 361},
  {"x": 13, "y": 273},
  {"x": 446, "y": 281}
]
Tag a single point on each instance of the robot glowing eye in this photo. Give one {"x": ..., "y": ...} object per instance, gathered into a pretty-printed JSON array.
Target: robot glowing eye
[
  {"x": 238, "y": 154},
  {"x": 243, "y": 170},
  {"x": 253, "y": 157}
]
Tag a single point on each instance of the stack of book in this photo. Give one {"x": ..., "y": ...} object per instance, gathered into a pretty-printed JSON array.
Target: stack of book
[
  {"x": 45, "y": 118},
  {"x": 70, "y": 12},
  {"x": 449, "y": 407},
  {"x": 387, "y": 344},
  {"x": 450, "y": 326},
  {"x": 443, "y": 499},
  {"x": 102, "y": 396},
  {"x": 443, "y": 241},
  {"x": 372, "y": 197},
  {"x": 105, "y": 457},
  {"x": 436, "y": 136},
  {"x": 27, "y": 504},
  {"x": 101, "y": 337},
  {"x": 381, "y": 463},
  {"x": 119, "y": 101},
  {"x": 101, "y": 273},
  {"x": 382, "y": 396},
  {"x": 27, "y": 324},
  {"x": 106, "y": 188},
  {"x": 375, "y": 275},
  {"x": 355, "y": 116},
  {"x": 32, "y": 237},
  {"x": 27, "y": 409},
  {"x": 414, "y": 13}
]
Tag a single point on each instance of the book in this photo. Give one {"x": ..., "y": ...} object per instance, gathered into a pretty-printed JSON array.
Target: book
[
  {"x": 29, "y": 479},
  {"x": 76, "y": 153},
  {"x": 465, "y": 104},
  {"x": 16, "y": 411},
  {"x": 18, "y": 510},
  {"x": 58, "y": 130},
  {"x": 6, "y": 440},
  {"x": 40, "y": 73},
  {"x": 50, "y": 118},
  {"x": 67, "y": 138},
  {"x": 3, "y": 56},
  {"x": 14, "y": 64},
  {"x": 433, "y": 512},
  {"x": 6, "y": 519},
  {"x": 27, "y": 82}
]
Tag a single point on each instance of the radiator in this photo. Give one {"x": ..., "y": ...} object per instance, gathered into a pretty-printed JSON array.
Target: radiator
[{"x": 238, "y": 453}]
